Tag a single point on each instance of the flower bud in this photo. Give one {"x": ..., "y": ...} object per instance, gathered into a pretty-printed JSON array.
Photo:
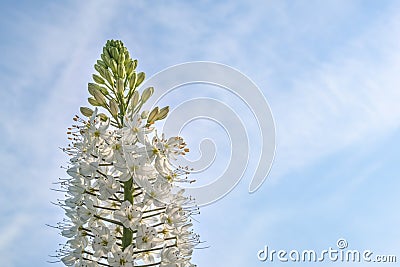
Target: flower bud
[
  {"x": 152, "y": 116},
  {"x": 102, "y": 63},
  {"x": 140, "y": 78},
  {"x": 99, "y": 97},
  {"x": 113, "y": 66},
  {"x": 98, "y": 79},
  {"x": 135, "y": 99},
  {"x": 147, "y": 93},
  {"x": 87, "y": 112},
  {"x": 132, "y": 80},
  {"x": 127, "y": 55},
  {"x": 93, "y": 102},
  {"x": 91, "y": 88},
  {"x": 103, "y": 90},
  {"x": 163, "y": 113},
  {"x": 144, "y": 114},
  {"x": 114, "y": 107},
  {"x": 106, "y": 59},
  {"x": 105, "y": 53},
  {"x": 109, "y": 78},
  {"x": 121, "y": 70},
  {"x": 103, "y": 117},
  {"x": 121, "y": 58},
  {"x": 120, "y": 86},
  {"x": 114, "y": 53},
  {"x": 98, "y": 68},
  {"x": 129, "y": 67}
]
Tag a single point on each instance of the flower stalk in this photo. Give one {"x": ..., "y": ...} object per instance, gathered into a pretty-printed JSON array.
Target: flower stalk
[{"x": 128, "y": 196}]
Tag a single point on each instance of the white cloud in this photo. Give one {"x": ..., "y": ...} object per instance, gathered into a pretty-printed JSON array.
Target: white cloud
[{"x": 348, "y": 100}]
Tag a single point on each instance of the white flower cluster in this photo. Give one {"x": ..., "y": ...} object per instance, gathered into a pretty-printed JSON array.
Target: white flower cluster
[
  {"x": 123, "y": 205},
  {"x": 122, "y": 202}
]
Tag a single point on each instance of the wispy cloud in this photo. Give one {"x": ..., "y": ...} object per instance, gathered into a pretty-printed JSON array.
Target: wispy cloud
[
  {"x": 349, "y": 99},
  {"x": 330, "y": 79},
  {"x": 36, "y": 113}
]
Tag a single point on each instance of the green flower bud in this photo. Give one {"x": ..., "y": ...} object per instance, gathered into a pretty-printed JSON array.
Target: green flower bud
[
  {"x": 140, "y": 78},
  {"x": 163, "y": 113},
  {"x": 103, "y": 90},
  {"x": 105, "y": 52},
  {"x": 99, "y": 69},
  {"x": 109, "y": 77},
  {"x": 132, "y": 80},
  {"x": 152, "y": 116},
  {"x": 99, "y": 97},
  {"x": 114, "y": 107},
  {"x": 121, "y": 58},
  {"x": 129, "y": 68},
  {"x": 106, "y": 59},
  {"x": 86, "y": 111},
  {"x": 121, "y": 71},
  {"x": 147, "y": 93},
  {"x": 92, "y": 87},
  {"x": 102, "y": 64},
  {"x": 120, "y": 86},
  {"x": 93, "y": 102},
  {"x": 114, "y": 53},
  {"x": 114, "y": 66},
  {"x": 144, "y": 114},
  {"x": 126, "y": 52},
  {"x": 98, "y": 79},
  {"x": 135, "y": 99},
  {"x": 103, "y": 117}
]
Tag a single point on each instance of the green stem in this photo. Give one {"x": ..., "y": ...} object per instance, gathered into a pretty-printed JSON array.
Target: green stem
[{"x": 127, "y": 234}]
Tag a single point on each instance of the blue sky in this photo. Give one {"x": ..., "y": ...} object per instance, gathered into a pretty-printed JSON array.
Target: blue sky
[{"x": 329, "y": 70}]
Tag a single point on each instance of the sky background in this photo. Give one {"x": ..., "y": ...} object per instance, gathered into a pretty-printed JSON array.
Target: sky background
[{"x": 329, "y": 70}]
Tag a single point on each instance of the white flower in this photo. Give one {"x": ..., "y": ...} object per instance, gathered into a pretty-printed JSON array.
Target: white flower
[
  {"x": 103, "y": 241},
  {"x": 170, "y": 257},
  {"x": 69, "y": 260},
  {"x": 133, "y": 166},
  {"x": 84, "y": 213},
  {"x": 175, "y": 216},
  {"x": 162, "y": 165},
  {"x": 97, "y": 130},
  {"x": 88, "y": 168},
  {"x": 156, "y": 193},
  {"x": 146, "y": 237},
  {"x": 112, "y": 152},
  {"x": 108, "y": 187},
  {"x": 128, "y": 215},
  {"x": 121, "y": 258},
  {"x": 133, "y": 130}
]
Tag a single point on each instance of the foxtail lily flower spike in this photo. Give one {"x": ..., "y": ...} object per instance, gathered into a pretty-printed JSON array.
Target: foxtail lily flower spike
[{"x": 122, "y": 204}]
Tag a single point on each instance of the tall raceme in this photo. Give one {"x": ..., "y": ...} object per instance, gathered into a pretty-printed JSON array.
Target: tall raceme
[{"x": 122, "y": 204}]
